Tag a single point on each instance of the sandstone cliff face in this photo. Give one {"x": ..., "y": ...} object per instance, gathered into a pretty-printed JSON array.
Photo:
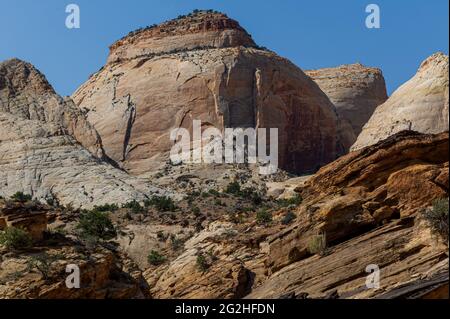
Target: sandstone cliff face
[
  {"x": 355, "y": 91},
  {"x": 136, "y": 100},
  {"x": 25, "y": 93},
  {"x": 39, "y": 152},
  {"x": 368, "y": 204},
  {"x": 421, "y": 105}
]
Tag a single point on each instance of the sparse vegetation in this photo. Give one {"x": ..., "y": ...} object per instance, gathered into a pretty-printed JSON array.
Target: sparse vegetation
[
  {"x": 155, "y": 258},
  {"x": 286, "y": 202},
  {"x": 233, "y": 188},
  {"x": 317, "y": 244},
  {"x": 21, "y": 197},
  {"x": 437, "y": 217},
  {"x": 202, "y": 263},
  {"x": 135, "y": 207},
  {"x": 177, "y": 243},
  {"x": 288, "y": 218},
  {"x": 106, "y": 208},
  {"x": 96, "y": 225},
  {"x": 15, "y": 238},
  {"x": 161, "y": 236},
  {"x": 263, "y": 217},
  {"x": 42, "y": 263},
  {"x": 162, "y": 204}
]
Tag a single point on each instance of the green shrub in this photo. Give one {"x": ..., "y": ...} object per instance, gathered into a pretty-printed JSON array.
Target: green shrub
[
  {"x": 21, "y": 197},
  {"x": 196, "y": 211},
  {"x": 42, "y": 263},
  {"x": 285, "y": 202},
  {"x": 437, "y": 217},
  {"x": 233, "y": 188},
  {"x": 155, "y": 258},
  {"x": 202, "y": 263},
  {"x": 317, "y": 244},
  {"x": 106, "y": 208},
  {"x": 96, "y": 225},
  {"x": 162, "y": 204},
  {"x": 176, "y": 242},
  {"x": 214, "y": 192},
  {"x": 15, "y": 238},
  {"x": 288, "y": 218},
  {"x": 135, "y": 207},
  {"x": 263, "y": 217}
]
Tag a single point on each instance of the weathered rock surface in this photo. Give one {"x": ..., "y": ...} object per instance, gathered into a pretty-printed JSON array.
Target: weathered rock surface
[
  {"x": 40, "y": 156},
  {"x": 103, "y": 275},
  {"x": 368, "y": 206},
  {"x": 421, "y": 105},
  {"x": 394, "y": 178},
  {"x": 39, "y": 271},
  {"x": 136, "y": 100},
  {"x": 355, "y": 91},
  {"x": 28, "y": 216},
  {"x": 25, "y": 93}
]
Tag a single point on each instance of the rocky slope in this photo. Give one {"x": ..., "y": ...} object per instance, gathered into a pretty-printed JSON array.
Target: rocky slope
[
  {"x": 421, "y": 105},
  {"x": 354, "y": 89},
  {"x": 165, "y": 77},
  {"x": 39, "y": 271},
  {"x": 39, "y": 151},
  {"x": 368, "y": 206}
]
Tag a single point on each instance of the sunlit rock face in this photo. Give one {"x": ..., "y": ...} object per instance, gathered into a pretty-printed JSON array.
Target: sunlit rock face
[
  {"x": 421, "y": 105},
  {"x": 205, "y": 67}
]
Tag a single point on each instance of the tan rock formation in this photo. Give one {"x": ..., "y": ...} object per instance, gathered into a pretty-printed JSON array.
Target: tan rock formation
[
  {"x": 392, "y": 179},
  {"x": 421, "y": 105},
  {"x": 25, "y": 93},
  {"x": 102, "y": 275},
  {"x": 219, "y": 77},
  {"x": 40, "y": 156},
  {"x": 31, "y": 217},
  {"x": 355, "y": 91}
]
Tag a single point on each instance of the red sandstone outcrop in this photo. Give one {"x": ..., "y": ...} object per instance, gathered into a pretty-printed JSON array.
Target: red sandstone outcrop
[{"x": 215, "y": 74}]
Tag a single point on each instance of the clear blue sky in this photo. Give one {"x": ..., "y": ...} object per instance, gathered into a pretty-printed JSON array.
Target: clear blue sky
[{"x": 313, "y": 34}]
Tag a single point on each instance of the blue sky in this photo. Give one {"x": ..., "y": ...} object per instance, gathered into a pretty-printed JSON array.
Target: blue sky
[{"x": 312, "y": 34}]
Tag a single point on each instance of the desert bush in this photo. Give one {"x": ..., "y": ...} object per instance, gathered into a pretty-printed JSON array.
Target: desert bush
[
  {"x": 437, "y": 217},
  {"x": 176, "y": 242},
  {"x": 288, "y": 218},
  {"x": 263, "y": 217},
  {"x": 21, "y": 197},
  {"x": 15, "y": 238},
  {"x": 96, "y": 225},
  {"x": 162, "y": 204},
  {"x": 135, "y": 207},
  {"x": 285, "y": 202},
  {"x": 202, "y": 262},
  {"x": 155, "y": 258},
  {"x": 233, "y": 188},
  {"x": 106, "y": 208},
  {"x": 42, "y": 263},
  {"x": 317, "y": 244}
]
